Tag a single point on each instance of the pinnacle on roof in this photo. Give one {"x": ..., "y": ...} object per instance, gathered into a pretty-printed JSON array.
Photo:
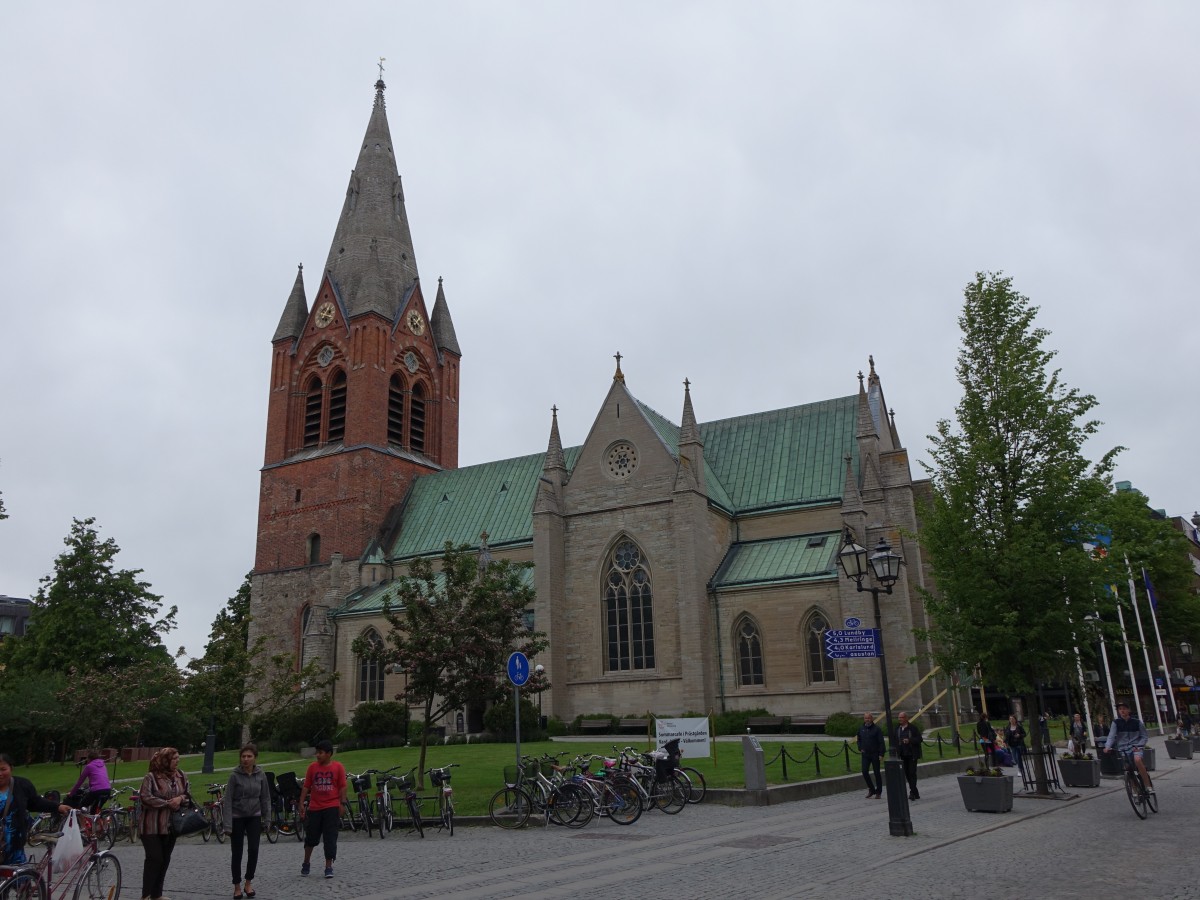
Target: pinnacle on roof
[
  {"x": 689, "y": 432},
  {"x": 554, "y": 450},
  {"x": 618, "y": 375},
  {"x": 373, "y": 217},
  {"x": 295, "y": 311},
  {"x": 442, "y": 325}
]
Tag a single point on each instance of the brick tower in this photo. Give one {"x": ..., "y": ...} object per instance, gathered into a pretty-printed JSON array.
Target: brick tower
[{"x": 363, "y": 398}]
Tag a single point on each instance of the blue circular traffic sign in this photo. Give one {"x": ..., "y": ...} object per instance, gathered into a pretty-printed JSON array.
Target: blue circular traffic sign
[
  {"x": 518, "y": 668},
  {"x": 853, "y": 622}
]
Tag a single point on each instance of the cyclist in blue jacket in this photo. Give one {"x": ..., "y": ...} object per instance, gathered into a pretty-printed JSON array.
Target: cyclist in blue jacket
[{"x": 1129, "y": 736}]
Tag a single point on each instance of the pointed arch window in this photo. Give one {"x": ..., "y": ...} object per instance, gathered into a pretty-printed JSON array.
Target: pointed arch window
[
  {"x": 416, "y": 419},
  {"x": 821, "y": 669},
  {"x": 312, "y": 549},
  {"x": 337, "y": 407},
  {"x": 396, "y": 411},
  {"x": 314, "y": 396},
  {"x": 628, "y": 609},
  {"x": 750, "y": 657},
  {"x": 370, "y": 670}
]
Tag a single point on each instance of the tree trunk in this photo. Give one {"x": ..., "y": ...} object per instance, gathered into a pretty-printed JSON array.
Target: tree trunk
[{"x": 1041, "y": 781}]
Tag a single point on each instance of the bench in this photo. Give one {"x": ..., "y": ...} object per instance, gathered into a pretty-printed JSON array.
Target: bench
[
  {"x": 595, "y": 726},
  {"x": 808, "y": 724},
  {"x": 760, "y": 723},
  {"x": 640, "y": 725}
]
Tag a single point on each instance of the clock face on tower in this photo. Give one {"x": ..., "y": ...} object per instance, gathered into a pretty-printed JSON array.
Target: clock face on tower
[
  {"x": 324, "y": 314},
  {"x": 415, "y": 323}
]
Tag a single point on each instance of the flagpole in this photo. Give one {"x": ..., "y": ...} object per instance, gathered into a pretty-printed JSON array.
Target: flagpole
[
  {"x": 1112, "y": 695},
  {"x": 1145, "y": 651},
  {"x": 1137, "y": 700},
  {"x": 1087, "y": 707},
  {"x": 1158, "y": 636}
]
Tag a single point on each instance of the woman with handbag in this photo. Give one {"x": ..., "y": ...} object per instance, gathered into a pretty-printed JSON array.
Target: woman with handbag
[
  {"x": 164, "y": 790},
  {"x": 247, "y": 800}
]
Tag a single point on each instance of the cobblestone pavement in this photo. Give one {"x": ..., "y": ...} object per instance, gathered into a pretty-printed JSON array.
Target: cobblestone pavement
[{"x": 831, "y": 847}]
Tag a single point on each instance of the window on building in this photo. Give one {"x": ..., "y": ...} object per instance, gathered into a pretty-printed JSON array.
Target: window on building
[
  {"x": 820, "y": 667},
  {"x": 370, "y": 670},
  {"x": 313, "y": 549},
  {"x": 313, "y": 397},
  {"x": 337, "y": 407},
  {"x": 416, "y": 419},
  {"x": 396, "y": 411},
  {"x": 628, "y": 614},
  {"x": 750, "y": 661}
]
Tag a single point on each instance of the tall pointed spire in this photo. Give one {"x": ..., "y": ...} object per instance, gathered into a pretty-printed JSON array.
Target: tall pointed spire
[
  {"x": 689, "y": 433},
  {"x": 442, "y": 325},
  {"x": 373, "y": 213},
  {"x": 295, "y": 311},
  {"x": 554, "y": 451}
]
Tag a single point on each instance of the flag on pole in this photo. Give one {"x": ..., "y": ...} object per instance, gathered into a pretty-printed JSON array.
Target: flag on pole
[{"x": 1150, "y": 590}]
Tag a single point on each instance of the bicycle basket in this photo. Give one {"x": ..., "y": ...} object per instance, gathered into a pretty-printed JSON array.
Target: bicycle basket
[
  {"x": 361, "y": 782},
  {"x": 547, "y": 767},
  {"x": 664, "y": 767},
  {"x": 511, "y": 776},
  {"x": 436, "y": 776},
  {"x": 288, "y": 785}
]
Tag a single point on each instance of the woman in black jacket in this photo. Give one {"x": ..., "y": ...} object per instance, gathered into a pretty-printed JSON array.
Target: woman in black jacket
[
  {"x": 1014, "y": 736},
  {"x": 18, "y": 797}
]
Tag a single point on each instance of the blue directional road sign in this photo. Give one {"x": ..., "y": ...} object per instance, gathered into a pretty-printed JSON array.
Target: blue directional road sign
[
  {"x": 518, "y": 668},
  {"x": 861, "y": 643}
]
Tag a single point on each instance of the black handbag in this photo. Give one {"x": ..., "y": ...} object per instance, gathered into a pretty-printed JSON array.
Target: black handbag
[{"x": 187, "y": 821}]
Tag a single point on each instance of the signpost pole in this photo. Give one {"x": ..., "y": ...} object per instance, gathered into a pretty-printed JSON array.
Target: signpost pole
[{"x": 518, "y": 674}]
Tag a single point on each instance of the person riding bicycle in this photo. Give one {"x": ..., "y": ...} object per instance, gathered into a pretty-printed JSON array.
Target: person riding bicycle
[
  {"x": 99, "y": 788},
  {"x": 1130, "y": 737}
]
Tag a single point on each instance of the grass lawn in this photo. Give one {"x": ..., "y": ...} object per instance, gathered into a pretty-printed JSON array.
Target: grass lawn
[{"x": 482, "y": 765}]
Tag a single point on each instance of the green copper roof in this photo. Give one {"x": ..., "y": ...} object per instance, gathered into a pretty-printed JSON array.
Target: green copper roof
[
  {"x": 805, "y": 557},
  {"x": 788, "y": 457},
  {"x": 371, "y": 599}
]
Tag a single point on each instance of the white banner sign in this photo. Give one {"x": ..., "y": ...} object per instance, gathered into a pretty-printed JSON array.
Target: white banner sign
[{"x": 693, "y": 736}]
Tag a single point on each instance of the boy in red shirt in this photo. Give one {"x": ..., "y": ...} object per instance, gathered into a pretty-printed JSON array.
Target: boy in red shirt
[{"x": 325, "y": 790}]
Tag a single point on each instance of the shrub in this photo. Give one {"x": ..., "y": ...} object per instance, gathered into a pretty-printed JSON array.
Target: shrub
[
  {"x": 378, "y": 719},
  {"x": 842, "y": 724},
  {"x": 734, "y": 721},
  {"x": 555, "y": 727},
  {"x": 307, "y": 723},
  {"x": 499, "y": 721}
]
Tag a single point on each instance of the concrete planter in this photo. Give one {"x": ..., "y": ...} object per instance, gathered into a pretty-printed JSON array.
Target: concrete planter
[
  {"x": 1112, "y": 764},
  {"x": 1196, "y": 743},
  {"x": 982, "y": 793},
  {"x": 1181, "y": 749},
  {"x": 1079, "y": 772}
]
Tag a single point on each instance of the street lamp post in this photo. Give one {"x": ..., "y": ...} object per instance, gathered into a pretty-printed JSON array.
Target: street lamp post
[
  {"x": 884, "y": 566},
  {"x": 539, "y": 670}
]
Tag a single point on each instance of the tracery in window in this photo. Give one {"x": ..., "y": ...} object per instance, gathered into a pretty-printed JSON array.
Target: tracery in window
[
  {"x": 750, "y": 660},
  {"x": 820, "y": 667},
  {"x": 628, "y": 611},
  {"x": 370, "y": 670}
]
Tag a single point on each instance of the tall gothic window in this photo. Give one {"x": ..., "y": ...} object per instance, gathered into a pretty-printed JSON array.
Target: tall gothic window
[
  {"x": 820, "y": 667},
  {"x": 750, "y": 661},
  {"x": 416, "y": 420},
  {"x": 313, "y": 397},
  {"x": 396, "y": 411},
  {"x": 312, "y": 548},
  {"x": 370, "y": 670},
  {"x": 628, "y": 615},
  {"x": 337, "y": 407}
]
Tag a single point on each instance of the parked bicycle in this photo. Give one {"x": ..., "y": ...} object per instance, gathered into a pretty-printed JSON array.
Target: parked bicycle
[
  {"x": 213, "y": 810},
  {"x": 360, "y": 807},
  {"x": 440, "y": 778},
  {"x": 287, "y": 808},
  {"x": 95, "y": 875}
]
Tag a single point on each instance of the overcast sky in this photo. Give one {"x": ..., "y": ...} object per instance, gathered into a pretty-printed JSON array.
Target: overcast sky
[{"x": 754, "y": 196}]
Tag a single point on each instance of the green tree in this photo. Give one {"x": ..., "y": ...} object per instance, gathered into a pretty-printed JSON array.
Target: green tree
[
  {"x": 1013, "y": 498},
  {"x": 453, "y": 630},
  {"x": 88, "y": 615}
]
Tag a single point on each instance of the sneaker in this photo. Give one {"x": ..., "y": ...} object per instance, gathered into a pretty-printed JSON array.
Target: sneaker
[
  {"x": 329, "y": 871},
  {"x": 305, "y": 869}
]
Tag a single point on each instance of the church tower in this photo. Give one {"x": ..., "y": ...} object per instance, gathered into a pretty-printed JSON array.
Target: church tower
[{"x": 363, "y": 399}]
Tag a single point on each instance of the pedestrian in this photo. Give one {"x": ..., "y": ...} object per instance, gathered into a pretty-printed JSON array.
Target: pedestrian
[
  {"x": 18, "y": 798},
  {"x": 1100, "y": 728},
  {"x": 987, "y": 740},
  {"x": 1078, "y": 734},
  {"x": 247, "y": 800},
  {"x": 1185, "y": 722},
  {"x": 871, "y": 747},
  {"x": 99, "y": 788},
  {"x": 1014, "y": 737},
  {"x": 325, "y": 790},
  {"x": 164, "y": 790},
  {"x": 908, "y": 742},
  {"x": 1044, "y": 728}
]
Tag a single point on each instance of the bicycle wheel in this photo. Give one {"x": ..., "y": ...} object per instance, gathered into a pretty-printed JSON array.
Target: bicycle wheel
[
  {"x": 297, "y": 825},
  {"x": 1151, "y": 797},
  {"x": 365, "y": 816},
  {"x": 270, "y": 828},
  {"x": 105, "y": 831},
  {"x": 1133, "y": 788},
  {"x": 697, "y": 787},
  {"x": 23, "y": 884},
  {"x": 219, "y": 826},
  {"x": 101, "y": 879},
  {"x": 672, "y": 794},
  {"x": 387, "y": 819},
  {"x": 624, "y": 802},
  {"x": 571, "y": 805},
  {"x": 414, "y": 813},
  {"x": 510, "y": 808}
]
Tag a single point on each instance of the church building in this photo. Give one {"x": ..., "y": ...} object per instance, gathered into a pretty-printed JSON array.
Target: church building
[{"x": 679, "y": 565}]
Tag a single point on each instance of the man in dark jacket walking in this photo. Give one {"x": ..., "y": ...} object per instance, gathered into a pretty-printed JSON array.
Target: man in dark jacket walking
[
  {"x": 908, "y": 743},
  {"x": 871, "y": 747}
]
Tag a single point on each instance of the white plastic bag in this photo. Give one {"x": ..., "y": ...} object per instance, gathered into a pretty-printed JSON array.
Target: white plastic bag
[
  {"x": 1071, "y": 745},
  {"x": 69, "y": 848}
]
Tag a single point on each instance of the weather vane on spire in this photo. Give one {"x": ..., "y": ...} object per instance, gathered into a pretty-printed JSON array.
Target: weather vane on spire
[{"x": 382, "y": 60}]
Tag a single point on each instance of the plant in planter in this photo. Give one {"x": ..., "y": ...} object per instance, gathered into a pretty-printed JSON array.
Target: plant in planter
[
  {"x": 1180, "y": 748},
  {"x": 1079, "y": 770},
  {"x": 985, "y": 789}
]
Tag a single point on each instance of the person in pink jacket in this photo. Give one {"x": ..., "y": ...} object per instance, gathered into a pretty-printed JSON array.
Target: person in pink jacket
[{"x": 99, "y": 788}]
